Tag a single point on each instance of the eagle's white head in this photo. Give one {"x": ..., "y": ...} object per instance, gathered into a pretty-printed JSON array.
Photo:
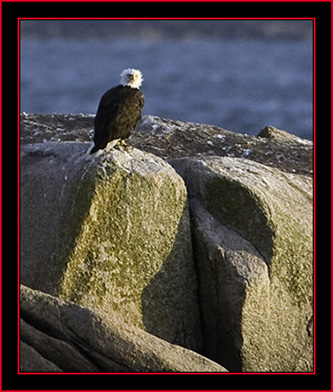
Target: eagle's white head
[{"x": 131, "y": 77}]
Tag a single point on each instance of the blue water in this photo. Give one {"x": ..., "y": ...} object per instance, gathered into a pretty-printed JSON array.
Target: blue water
[{"x": 238, "y": 85}]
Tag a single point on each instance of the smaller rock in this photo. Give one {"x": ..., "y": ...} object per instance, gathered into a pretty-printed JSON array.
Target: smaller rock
[
  {"x": 59, "y": 336},
  {"x": 273, "y": 133}
]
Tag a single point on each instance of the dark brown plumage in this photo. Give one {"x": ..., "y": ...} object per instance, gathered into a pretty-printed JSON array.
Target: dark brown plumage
[{"x": 118, "y": 113}]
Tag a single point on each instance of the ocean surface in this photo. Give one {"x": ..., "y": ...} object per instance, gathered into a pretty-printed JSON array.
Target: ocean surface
[{"x": 238, "y": 85}]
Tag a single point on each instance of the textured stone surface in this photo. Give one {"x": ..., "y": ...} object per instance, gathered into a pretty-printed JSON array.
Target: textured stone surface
[
  {"x": 176, "y": 139},
  {"x": 111, "y": 233},
  {"x": 252, "y": 229},
  {"x": 58, "y": 336}
]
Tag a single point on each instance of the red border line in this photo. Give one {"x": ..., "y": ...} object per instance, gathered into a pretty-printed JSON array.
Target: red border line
[
  {"x": 152, "y": 19},
  {"x": 314, "y": 192},
  {"x": 1, "y": 129},
  {"x": 331, "y": 197},
  {"x": 314, "y": 139},
  {"x": 18, "y": 192},
  {"x": 170, "y": 1}
]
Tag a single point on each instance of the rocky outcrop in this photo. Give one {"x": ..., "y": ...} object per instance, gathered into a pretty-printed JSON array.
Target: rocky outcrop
[
  {"x": 252, "y": 228},
  {"x": 113, "y": 234},
  {"x": 177, "y": 139},
  {"x": 58, "y": 336}
]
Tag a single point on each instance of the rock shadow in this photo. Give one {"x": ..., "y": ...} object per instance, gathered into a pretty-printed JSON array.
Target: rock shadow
[{"x": 170, "y": 307}]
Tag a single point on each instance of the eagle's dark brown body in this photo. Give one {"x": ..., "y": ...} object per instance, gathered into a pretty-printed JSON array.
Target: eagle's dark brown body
[{"x": 118, "y": 113}]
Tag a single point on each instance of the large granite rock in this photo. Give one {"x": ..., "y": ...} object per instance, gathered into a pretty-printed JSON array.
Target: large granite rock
[
  {"x": 111, "y": 233},
  {"x": 58, "y": 336},
  {"x": 252, "y": 228}
]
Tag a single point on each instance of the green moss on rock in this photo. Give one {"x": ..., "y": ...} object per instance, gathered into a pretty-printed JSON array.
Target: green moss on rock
[
  {"x": 121, "y": 240},
  {"x": 253, "y": 239},
  {"x": 240, "y": 209}
]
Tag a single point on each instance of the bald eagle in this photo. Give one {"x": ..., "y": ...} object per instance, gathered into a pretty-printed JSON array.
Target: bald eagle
[{"x": 119, "y": 110}]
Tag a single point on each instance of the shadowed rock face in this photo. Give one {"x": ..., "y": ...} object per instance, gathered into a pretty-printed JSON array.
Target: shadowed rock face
[
  {"x": 113, "y": 234},
  {"x": 58, "y": 336},
  {"x": 252, "y": 236}
]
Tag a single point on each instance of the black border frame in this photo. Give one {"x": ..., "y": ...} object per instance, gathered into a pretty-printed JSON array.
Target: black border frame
[{"x": 13, "y": 10}]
